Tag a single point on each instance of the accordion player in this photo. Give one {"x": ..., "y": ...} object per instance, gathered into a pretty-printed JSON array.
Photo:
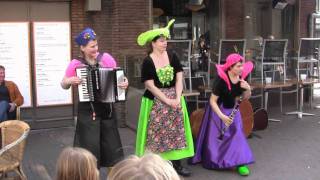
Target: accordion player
[{"x": 100, "y": 84}]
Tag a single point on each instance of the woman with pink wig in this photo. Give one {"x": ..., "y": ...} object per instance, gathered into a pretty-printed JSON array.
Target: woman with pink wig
[{"x": 221, "y": 143}]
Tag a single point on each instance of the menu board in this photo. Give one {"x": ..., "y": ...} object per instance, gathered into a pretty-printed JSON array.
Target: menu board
[
  {"x": 15, "y": 56},
  {"x": 52, "y": 53}
]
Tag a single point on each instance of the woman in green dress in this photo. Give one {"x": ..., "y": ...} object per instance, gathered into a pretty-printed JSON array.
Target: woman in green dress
[{"x": 164, "y": 126}]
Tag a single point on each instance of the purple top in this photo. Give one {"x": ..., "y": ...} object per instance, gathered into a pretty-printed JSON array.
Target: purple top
[{"x": 107, "y": 61}]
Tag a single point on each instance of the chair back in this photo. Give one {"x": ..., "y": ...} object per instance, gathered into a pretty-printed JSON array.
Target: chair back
[
  {"x": 275, "y": 75},
  {"x": 303, "y": 71},
  {"x": 13, "y": 138},
  {"x": 197, "y": 82}
]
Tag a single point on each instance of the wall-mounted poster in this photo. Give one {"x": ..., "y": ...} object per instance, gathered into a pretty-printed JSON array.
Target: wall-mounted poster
[
  {"x": 52, "y": 53},
  {"x": 15, "y": 56}
]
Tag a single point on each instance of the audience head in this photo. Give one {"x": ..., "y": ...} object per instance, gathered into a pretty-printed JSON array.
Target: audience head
[
  {"x": 148, "y": 167},
  {"x": 2, "y": 73},
  {"x": 77, "y": 164}
]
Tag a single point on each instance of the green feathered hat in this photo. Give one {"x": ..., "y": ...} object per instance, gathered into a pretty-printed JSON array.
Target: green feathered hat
[{"x": 148, "y": 36}]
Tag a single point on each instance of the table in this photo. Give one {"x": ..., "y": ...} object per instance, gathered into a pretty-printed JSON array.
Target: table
[
  {"x": 267, "y": 87},
  {"x": 302, "y": 84},
  {"x": 192, "y": 93},
  {"x": 205, "y": 89}
]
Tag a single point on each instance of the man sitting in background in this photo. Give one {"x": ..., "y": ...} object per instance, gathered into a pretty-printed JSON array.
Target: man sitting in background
[{"x": 10, "y": 97}]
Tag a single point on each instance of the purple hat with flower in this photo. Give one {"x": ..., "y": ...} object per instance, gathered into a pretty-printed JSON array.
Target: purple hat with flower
[{"x": 85, "y": 36}]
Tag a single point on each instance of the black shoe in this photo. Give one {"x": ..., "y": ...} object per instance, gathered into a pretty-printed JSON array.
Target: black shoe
[{"x": 183, "y": 171}]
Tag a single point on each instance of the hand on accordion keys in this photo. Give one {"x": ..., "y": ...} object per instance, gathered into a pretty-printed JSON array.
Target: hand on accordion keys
[
  {"x": 124, "y": 84},
  {"x": 74, "y": 80}
]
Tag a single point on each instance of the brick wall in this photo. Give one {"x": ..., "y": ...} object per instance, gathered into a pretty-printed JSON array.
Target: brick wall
[
  {"x": 130, "y": 18},
  {"x": 78, "y": 22},
  {"x": 234, "y": 18},
  {"x": 307, "y": 7},
  {"x": 117, "y": 25}
]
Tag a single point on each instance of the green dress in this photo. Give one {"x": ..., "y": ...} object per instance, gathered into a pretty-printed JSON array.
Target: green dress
[{"x": 164, "y": 79}]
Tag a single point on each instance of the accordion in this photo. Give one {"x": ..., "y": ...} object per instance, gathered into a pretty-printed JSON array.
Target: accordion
[{"x": 100, "y": 84}]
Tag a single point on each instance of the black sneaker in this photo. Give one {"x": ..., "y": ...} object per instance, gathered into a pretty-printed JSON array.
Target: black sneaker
[{"x": 183, "y": 171}]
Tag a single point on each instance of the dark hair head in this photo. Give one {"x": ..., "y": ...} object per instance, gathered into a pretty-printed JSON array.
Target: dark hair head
[
  {"x": 156, "y": 38},
  {"x": 150, "y": 48},
  {"x": 2, "y": 67}
]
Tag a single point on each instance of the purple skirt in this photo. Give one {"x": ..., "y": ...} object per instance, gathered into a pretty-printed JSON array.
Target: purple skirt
[{"x": 233, "y": 150}]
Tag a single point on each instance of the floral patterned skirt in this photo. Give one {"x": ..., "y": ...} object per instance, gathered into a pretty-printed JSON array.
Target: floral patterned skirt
[{"x": 166, "y": 126}]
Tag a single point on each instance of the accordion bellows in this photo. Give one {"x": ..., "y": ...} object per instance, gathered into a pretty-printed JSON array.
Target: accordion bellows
[{"x": 100, "y": 84}]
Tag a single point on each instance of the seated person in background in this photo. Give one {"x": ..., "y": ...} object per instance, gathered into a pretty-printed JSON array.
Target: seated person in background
[
  {"x": 77, "y": 164},
  {"x": 147, "y": 167},
  {"x": 203, "y": 52},
  {"x": 10, "y": 96}
]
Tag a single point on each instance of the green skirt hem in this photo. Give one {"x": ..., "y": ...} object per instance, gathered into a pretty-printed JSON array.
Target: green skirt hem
[{"x": 145, "y": 109}]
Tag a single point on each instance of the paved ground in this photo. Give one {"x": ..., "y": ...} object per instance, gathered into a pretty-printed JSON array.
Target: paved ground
[{"x": 287, "y": 150}]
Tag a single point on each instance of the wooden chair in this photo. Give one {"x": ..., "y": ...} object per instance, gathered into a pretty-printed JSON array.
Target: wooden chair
[{"x": 13, "y": 141}]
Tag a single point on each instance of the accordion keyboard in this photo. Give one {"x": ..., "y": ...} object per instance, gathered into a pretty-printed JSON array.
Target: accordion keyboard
[{"x": 84, "y": 87}]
